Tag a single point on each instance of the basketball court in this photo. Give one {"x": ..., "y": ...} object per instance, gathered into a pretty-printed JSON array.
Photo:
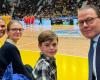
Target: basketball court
[{"x": 71, "y": 59}]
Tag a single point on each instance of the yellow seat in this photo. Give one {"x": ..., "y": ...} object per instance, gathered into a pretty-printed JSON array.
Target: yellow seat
[{"x": 68, "y": 67}]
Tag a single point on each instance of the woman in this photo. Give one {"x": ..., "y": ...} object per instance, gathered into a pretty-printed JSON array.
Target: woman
[{"x": 10, "y": 53}]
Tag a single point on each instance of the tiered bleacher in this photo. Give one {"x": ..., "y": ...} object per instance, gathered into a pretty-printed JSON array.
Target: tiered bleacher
[{"x": 58, "y": 11}]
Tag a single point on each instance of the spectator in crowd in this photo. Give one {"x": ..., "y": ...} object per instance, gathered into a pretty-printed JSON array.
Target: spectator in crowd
[{"x": 6, "y": 18}]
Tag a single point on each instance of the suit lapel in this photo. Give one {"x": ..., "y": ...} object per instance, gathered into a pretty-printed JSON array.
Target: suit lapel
[
  {"x": 98, "y": 59},
  {"x": 90, "y": 55}
]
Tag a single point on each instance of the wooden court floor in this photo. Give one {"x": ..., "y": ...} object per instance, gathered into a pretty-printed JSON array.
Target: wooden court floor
[
  {"x": 67, "y": 45},
  {"x": 68, "y": 67}
]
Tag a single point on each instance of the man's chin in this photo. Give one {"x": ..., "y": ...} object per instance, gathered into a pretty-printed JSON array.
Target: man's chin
[{"x": 89, "y": 37}]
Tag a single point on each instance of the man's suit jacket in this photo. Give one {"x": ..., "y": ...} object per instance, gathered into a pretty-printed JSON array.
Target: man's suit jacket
[
  {"x": 10, "y": 53},
  {"x": 97, "y": 63}
]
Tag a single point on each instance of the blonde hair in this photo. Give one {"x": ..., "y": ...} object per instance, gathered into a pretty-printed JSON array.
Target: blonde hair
[{"x": 11, "y": 22}]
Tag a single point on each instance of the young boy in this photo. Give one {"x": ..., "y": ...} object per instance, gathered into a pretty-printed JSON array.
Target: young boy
[{"x": 45, "y": 68}]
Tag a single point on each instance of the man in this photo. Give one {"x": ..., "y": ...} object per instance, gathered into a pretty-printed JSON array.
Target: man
[
  {"x": 2, "y": 31},
  {"x": 2, "y": 28},
  {"x": 89, "y": 23}
]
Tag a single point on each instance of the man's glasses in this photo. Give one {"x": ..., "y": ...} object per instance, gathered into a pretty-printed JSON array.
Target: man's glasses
[
  {"x": 17, "y": 29},
  {"x": 88, "y": 21}
]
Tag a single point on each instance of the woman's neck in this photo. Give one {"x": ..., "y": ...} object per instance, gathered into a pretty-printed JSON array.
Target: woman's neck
[{"x": 11, "y": 41}]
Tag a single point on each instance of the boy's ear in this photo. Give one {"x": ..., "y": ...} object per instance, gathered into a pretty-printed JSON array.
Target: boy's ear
[{"x": 39, "y": 45}]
